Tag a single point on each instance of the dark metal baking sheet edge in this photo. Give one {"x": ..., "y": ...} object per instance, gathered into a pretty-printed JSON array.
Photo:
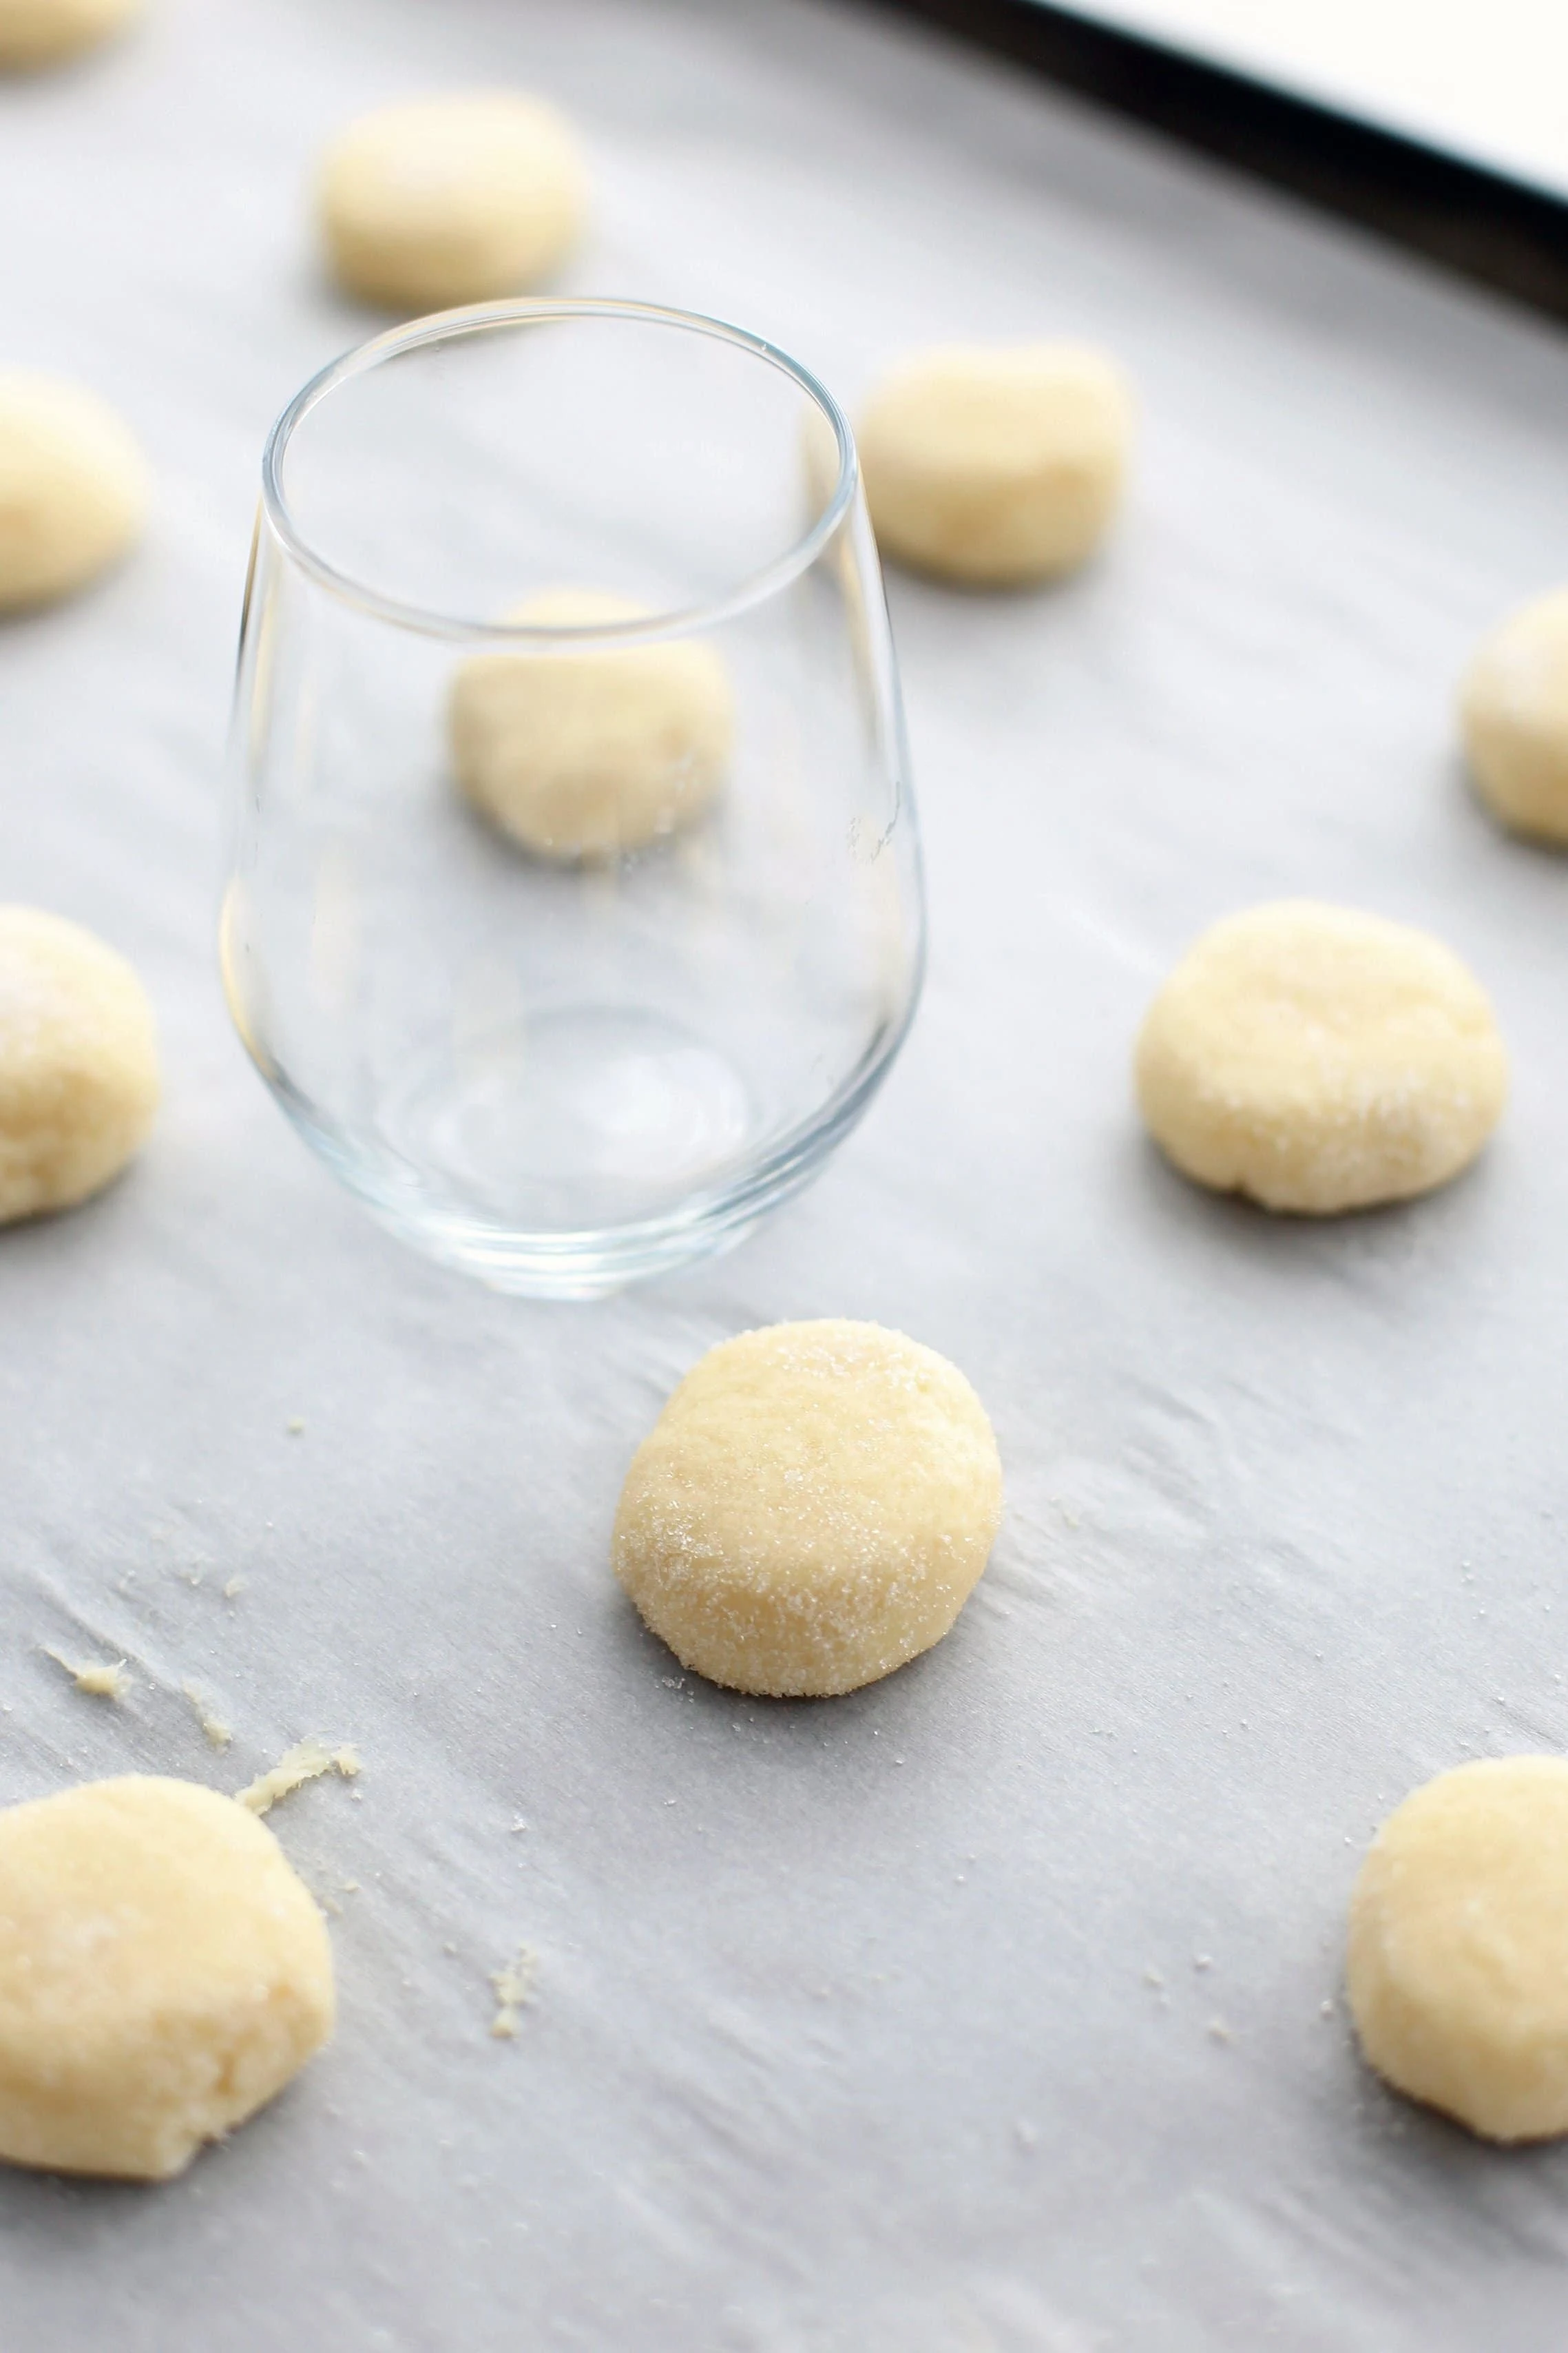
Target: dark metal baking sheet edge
[{"x": 1488, "y": 228}]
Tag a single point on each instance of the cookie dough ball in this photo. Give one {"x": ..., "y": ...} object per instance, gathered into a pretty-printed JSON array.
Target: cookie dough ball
[
  {"x": 73, "y": 488},
  {"x": 583, "y": 754},
  {"x": 162, "y": 1974},
  {"x": 42, "y": 32},
  {"x": 811, "y": 1508},
  {"x": 995, "y": 466},
  {"x": 449, "y": 200},
  {"x": 1458, "y": 1947},
  {"x": 78, "y": 1063},
  {"x": 1320, "y": 1060},
  {"x": 1513, "y": 712}
]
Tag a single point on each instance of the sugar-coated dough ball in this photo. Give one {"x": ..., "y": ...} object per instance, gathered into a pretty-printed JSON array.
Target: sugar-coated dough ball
[
  {"x": 163, "y": 1973},
  {"x": 78, "y": 1063},
  {"x": 811, "y": 1508},
  {"x": 1513, "y": 711},
  {"x": 1318, "y": 1059},
  {"x": 40, "y": 32},
  {"x": 73, "y": 488},
  {"x": 447, "y": 200},
  {"x": 1458, "y": 1965},
  {"x": 582, "y": 755},
  {"x": 995, "y": 466}
]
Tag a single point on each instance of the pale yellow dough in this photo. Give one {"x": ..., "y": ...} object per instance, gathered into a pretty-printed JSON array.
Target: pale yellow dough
[
  {"x": 453, "y": 199},
  {"x": 1318, "y": 1059},
  {"x": 583, "y": 754},
  {"x": 162, "y": 1974},
  {"x": 995, "y": 465},
  {"x": 73, "y": 488},
  {"x": 811, "y": 1508},
  {"x": 78, "y": 1063},
  {"x": 1513, "y": 712},
  {"x": 1458, "y": 1947},
  {"x": 43, "y": 32}
]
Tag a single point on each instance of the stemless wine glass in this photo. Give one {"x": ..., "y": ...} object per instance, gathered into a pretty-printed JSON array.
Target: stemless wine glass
[{"x": 574, "y": 909}]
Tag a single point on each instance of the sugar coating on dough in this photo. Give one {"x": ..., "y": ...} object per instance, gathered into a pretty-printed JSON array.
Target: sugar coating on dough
[
  {"x": 1513, "y": 713},
  {"x": 995, "y": 465},
  {"x": 73, "y": 488},
  {"x": 78, "y": 1063},
  {"x": 1457, "y": 1963},
  {"x": 1318, "y": 1059},
  {"x": 454, "y": 199},
  {"x": 584, "y": 753},
  {"x": 811, "y": 1508},
  {"x": 43, "y": 32},
  {"x": 163, "y": 1973}
]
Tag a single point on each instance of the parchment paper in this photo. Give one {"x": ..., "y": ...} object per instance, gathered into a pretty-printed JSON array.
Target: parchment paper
[{"x": 997, "y": 2009}]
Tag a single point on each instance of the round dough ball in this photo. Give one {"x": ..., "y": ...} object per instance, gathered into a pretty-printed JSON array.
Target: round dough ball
[
  {"x": 1513, "y": 711},
  {"x": 584, "y": 755},
  {"x": 162, "y": 1974},
  {"x": 78, "y": 1063},
  {"x": 449, "y": 200},
  {"x": 995, "y": 466},
  {"x": 1457, "y": 1963},
  {"x": 1320, "y": 1060},
  {"x": 811, "y": 1508},
  {"x": 73, "y": 488},
  {"x": 42, "y": 32}
]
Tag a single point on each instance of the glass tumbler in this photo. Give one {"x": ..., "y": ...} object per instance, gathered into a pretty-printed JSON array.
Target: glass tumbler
[{"x": 573, "y": 907}]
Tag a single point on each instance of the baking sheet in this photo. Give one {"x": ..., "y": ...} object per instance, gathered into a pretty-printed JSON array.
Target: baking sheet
[
  {"x": 1482, "y": 83},
  {"x": 996, "y": 2010}
]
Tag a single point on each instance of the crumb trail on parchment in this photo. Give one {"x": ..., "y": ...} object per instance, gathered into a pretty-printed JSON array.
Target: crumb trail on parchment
[
  {"x": 513, "y": 1991},
  {"x": 306, "y": 1761},
  {"x": 219, "y": 1732},
  {"x": 100, "y": 1678}
]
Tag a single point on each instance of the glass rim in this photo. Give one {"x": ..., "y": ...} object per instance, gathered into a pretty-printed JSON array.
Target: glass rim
[{"x": 444, "y": 326}]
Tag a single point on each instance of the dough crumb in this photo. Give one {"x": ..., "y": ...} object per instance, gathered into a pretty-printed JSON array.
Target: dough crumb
[
  {"x": 513, "y": 1991},
  {"x": 219, "y": 1732},
  {"x": 306, "y": 1761},
  {"x": 100, "y": 1678},
  {"x": 234, "y": 1589},
  {"x": 295, "y": 1428},
  {"x": 1219, "y": 2032}
]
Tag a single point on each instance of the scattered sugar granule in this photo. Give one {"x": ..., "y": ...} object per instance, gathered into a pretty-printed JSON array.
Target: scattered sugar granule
[
  {"x": 513, "y": 1990},
  {"x": 306, "y": 1761},
  {"x": 100, "y": 1678},
  {"x": 219, "y": 1732}
]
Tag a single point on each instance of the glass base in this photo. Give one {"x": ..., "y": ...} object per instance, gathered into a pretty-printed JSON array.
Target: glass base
[
  {"x": 534, "y": 1191},
  {"x": 580, "y": 1115}
]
